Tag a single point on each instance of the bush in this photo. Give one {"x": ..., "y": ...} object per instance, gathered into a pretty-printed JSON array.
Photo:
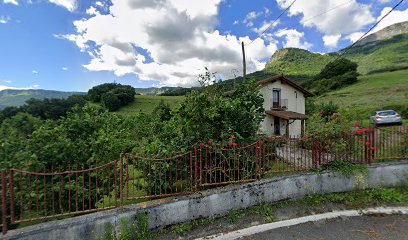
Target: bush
[
  {"x": 213, "y": 115},
  {"x": 162, "y": 111},
  {"x": 326, "y": 110}
]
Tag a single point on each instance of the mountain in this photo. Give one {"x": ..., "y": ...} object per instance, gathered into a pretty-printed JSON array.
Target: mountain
[
  {"x": 296, "y": 62},
  {"x": 385, "y": 50},
  {"x": 388, "y": 32},
  {"x": 11, "y": 97}
]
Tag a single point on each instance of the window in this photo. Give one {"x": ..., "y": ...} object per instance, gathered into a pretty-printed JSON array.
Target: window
[
  {"x": 387, "y": 113},
  {"x": 276, "y": 97}
]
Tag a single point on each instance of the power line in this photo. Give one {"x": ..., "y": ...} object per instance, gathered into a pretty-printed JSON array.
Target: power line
[
  {"x": 365, "y": 34},
  {"x": 307, "y": 20},
  {"x": 273, "y": 22},
  {"x": 325, "y": 12}
]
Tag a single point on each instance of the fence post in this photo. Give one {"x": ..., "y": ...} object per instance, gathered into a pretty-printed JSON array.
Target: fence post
[
  {"x": 12, "y": 213},
  {"x": 201, "y": 166},
  {"x": 365, "y": 140},
  {"x": 196, "y": 168},
  {"x": 372, "y": 145},
  {"x": 191, "y": 170},
  {"x": 313, "y": 152},
  {"x": 121, "y": 182},
  {"x": 4, "y": 201}
]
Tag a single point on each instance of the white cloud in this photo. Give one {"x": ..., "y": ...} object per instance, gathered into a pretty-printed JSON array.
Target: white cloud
[
  {"x": 345, "y": 19},
  {"x": 384, "y": 1},
  {"x": 179, "y": 37},
  {"x": 34, "y": 71},
  {"x": 331, "y": 40},
  {"x": 64, "y": 68},
  {"x": 4, "y": 19},
  {"x": 354, "y": 36},
  {"x": 394, "y": 17},
  {"x": 235, "y": 22},
  {"x": 2, "y": 87},
  {"x": 293, "y": 38},
  {"x": 100, "y": 4},
  {"x": 70, "y": 5},
  {"x": 11, "y": 2},
  {"x": 92, "y": 11},
  {"x": 250, "y": 17}
]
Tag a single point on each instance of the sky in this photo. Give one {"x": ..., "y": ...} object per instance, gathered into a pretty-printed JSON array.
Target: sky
[{"x": 73, "y": 45}]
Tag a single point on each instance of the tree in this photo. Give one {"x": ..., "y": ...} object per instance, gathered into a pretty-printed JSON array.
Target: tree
[
  {"x": 211, "y": 114},
  {"x": 111, "y": 101},
  {"x": 336, "y": 68},
  {"x": 112, "y": 95},
  {"x": 334, "y": 75},
  {"x": 95, "y": 94}
]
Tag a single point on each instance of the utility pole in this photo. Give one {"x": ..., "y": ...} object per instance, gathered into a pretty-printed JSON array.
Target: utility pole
[{"x": 243, "y": 60}]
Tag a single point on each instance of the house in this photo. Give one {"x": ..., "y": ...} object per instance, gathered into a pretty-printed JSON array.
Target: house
[{"x": 284, "y": 103}]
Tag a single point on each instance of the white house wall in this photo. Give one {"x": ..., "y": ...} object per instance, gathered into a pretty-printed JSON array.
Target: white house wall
[{"x": 296, "y": 103}]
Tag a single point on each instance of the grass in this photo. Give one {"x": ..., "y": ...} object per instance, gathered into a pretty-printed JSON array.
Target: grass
[
  {"x": 146, "y": 104},
  {"x": 182, "y": 229},
  {"x": 128, "y": 230},
  {"x": 372, "y": 92},
  {"x": 367, "y": 123}
]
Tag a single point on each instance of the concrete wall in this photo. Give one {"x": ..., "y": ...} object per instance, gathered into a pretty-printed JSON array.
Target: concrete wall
[
  {"x": 296, "y": 103},
  {"x": 217, "y": 202}
]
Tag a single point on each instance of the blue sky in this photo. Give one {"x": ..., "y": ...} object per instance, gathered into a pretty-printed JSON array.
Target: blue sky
[{"x": 72, "y": 45}]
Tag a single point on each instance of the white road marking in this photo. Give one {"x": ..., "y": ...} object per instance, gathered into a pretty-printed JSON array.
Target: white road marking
[{"x": 312, "y": 218}]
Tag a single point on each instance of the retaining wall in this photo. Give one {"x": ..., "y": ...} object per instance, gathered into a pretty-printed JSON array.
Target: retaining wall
[{"x": 217, "y": 202}]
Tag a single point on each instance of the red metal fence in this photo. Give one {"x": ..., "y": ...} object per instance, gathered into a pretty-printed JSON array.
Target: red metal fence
[{"x": 34, "y": 196}]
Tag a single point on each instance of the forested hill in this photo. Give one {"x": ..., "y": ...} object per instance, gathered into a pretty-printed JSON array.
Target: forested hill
[{"x": 12, "y": 97}]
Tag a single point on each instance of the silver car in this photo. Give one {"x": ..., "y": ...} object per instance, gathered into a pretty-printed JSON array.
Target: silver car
[{"x": 386, "y": 117}]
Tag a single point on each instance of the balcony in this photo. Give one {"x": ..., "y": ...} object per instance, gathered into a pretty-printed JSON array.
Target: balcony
[{"x": 282, "y": 105}]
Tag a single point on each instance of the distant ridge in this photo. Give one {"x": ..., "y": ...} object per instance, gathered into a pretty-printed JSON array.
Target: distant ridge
[{"x": 13, "y": 97}]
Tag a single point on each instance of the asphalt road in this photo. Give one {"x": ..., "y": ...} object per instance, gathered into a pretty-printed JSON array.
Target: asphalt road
[{"x": 378, "y": 227}]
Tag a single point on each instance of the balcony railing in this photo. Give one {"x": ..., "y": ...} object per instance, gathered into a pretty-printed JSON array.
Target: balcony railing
[{"x": 281, "y": 105}]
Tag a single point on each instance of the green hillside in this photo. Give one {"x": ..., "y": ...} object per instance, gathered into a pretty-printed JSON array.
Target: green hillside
[
  {"x": 373, "y": 91},
  {"x": 146, "y": 104},
  {"x": 19, "y": 97},
  {"x": 378, "y": 56},
  {"x": 297, "y": 62},
  {"x": 381, "y": 55}
]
